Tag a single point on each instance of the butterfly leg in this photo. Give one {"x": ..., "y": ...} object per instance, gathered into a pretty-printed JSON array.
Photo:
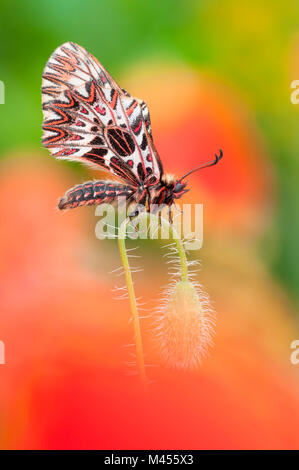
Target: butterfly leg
[
  {"x": 170, "y": 215},
  {"x": 133, "y": 214},
  {"x": 141, "y": 203},
  {"x": 158, "y": 211}
]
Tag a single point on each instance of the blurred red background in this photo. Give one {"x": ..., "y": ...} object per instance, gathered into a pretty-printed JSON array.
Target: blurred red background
[{"x": 66, "y": 384}]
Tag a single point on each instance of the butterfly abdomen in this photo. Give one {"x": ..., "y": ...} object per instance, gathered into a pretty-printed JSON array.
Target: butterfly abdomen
[{"x": 96, "y": 192}]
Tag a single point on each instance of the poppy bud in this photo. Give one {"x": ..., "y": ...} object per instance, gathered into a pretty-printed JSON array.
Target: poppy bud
[{"x": 185, "y": 326}]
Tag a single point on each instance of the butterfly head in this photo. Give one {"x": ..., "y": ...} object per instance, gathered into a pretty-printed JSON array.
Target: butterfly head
[
  {"x": 174, "y": 186},
  {"x": 179, "y": 189}
]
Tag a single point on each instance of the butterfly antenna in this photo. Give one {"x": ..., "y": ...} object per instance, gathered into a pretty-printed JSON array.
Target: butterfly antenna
[{"x": 205, "y": 165}]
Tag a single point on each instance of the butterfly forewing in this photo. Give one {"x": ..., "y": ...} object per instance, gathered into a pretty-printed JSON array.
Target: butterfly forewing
[{"x": 89, "y": 118}]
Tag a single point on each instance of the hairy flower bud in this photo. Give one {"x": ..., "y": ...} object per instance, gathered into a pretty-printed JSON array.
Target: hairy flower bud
[{"x": 185, "y": 326}]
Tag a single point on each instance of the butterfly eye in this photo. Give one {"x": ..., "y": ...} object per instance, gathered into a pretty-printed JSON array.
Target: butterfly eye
[{"x": 178, "y": 187}]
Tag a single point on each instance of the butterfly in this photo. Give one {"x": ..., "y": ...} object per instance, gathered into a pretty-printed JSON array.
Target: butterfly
[{"x": 90, "y": 119}]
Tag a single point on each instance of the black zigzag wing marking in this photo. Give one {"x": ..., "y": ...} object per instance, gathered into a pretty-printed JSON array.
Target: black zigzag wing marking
[
  {"x": 86, "y": 114},
  {"x": 74, "y": 135},
  {"x": 146, "y": 117}
]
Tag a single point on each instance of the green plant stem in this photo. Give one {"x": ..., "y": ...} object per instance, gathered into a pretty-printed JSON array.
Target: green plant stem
[
  {"x": 179, "y": 247},
  {"x": 130, "y": 285},
  {"x": 132, "y": 298}
]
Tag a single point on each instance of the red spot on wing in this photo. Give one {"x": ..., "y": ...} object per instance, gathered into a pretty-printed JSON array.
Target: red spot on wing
[
  {"x": 69, "y": 152},
  {"x": 137, "y": 128},
  {"x": 103, "y": 78},
  {"x": 100, "y": 110},
  {"x": 131, "y": 108}
]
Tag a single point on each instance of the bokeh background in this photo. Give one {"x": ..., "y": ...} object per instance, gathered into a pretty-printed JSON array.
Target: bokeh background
[{"x": 215, "y": 74}]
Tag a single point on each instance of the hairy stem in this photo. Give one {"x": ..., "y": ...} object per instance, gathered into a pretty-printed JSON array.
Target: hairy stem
[
  {"x": 132, "y": 298},
  {"x": 174, "y": 235},
  {"x": 179, "y": 247},
  {"x": 129, "y": 281}
]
